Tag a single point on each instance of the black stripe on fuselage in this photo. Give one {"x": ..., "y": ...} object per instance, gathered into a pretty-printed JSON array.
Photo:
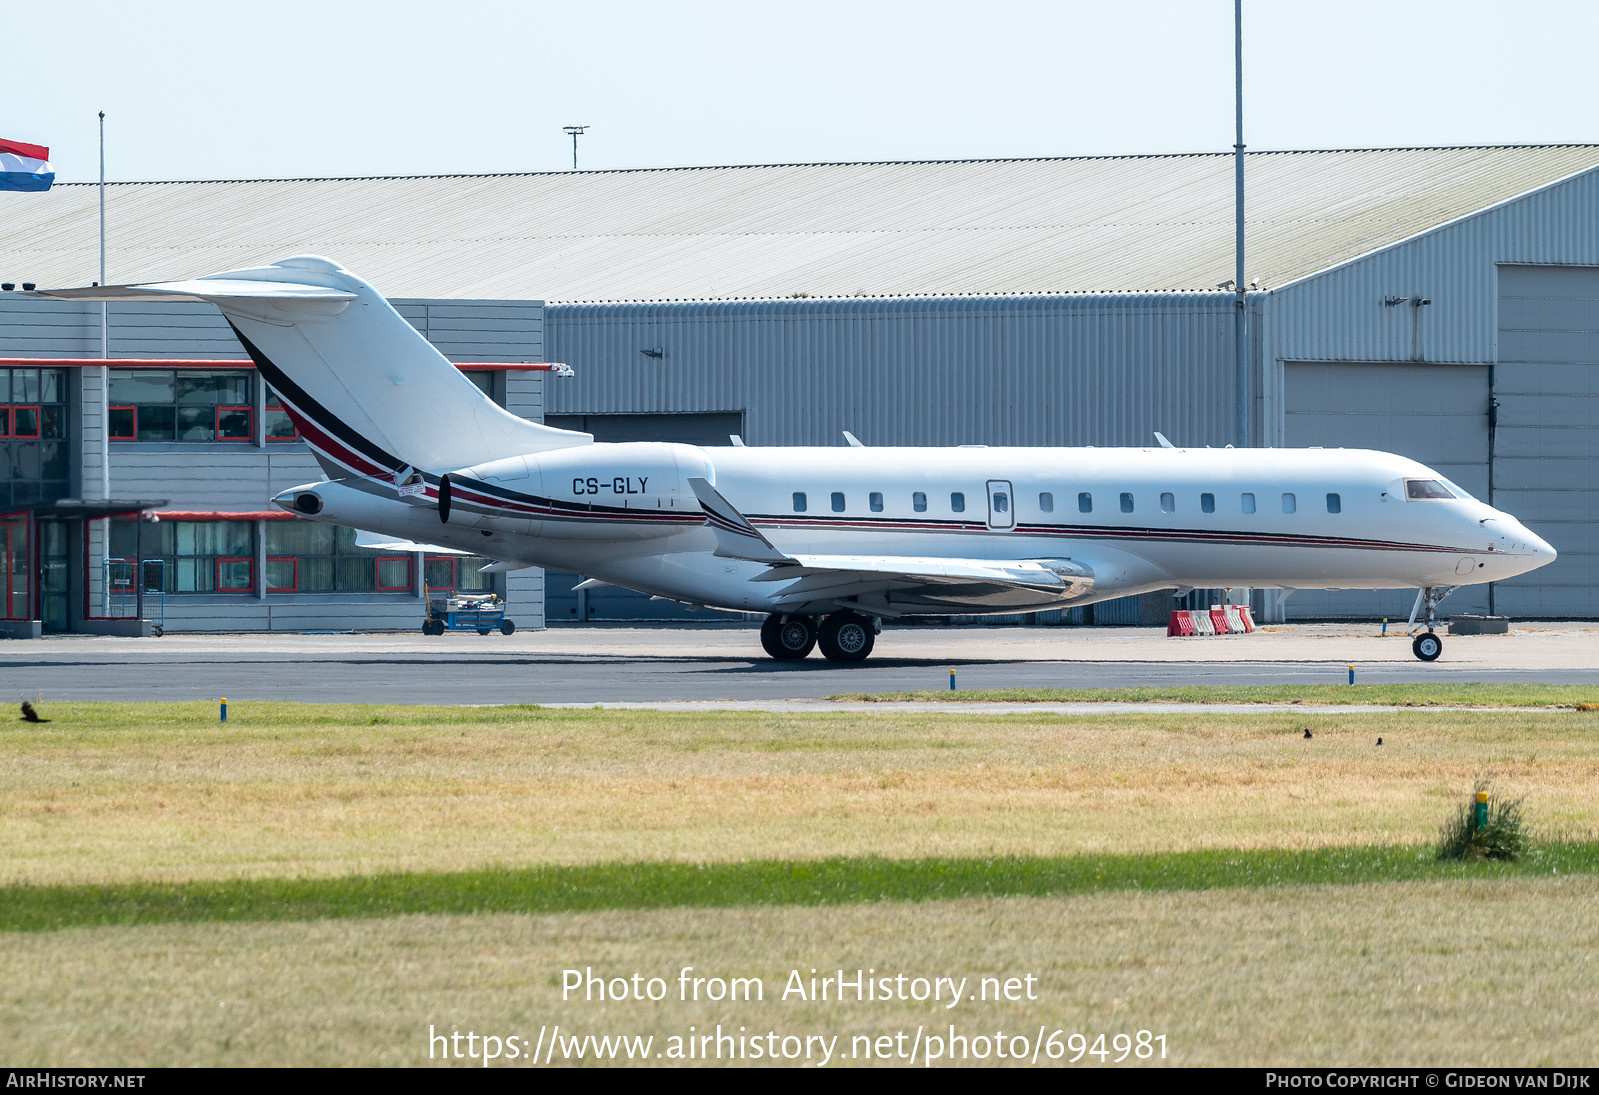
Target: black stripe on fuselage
[{"x": 1098, "y": 532}]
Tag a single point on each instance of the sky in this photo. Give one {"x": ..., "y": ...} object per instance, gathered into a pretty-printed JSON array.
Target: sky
[{"x": 237, "y": 89}]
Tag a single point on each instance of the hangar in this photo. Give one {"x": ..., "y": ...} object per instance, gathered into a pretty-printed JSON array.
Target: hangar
[{"x": 1438, "y": 302}]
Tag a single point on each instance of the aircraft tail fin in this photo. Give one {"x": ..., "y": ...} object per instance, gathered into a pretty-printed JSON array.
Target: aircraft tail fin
[{"x": 369, "y": 394}]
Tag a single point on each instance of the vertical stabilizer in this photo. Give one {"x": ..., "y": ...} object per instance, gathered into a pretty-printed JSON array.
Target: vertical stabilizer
[{"x": 369, "y": 394}]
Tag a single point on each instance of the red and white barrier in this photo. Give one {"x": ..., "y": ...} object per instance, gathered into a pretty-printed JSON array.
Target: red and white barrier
[{"x": 1217, "y": 620}]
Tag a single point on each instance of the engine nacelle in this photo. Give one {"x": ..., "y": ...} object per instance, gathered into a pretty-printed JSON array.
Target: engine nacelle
[{"x": 625, "y": 491}]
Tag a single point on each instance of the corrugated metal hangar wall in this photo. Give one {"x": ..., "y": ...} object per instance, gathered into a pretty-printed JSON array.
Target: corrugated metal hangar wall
[
  {"x": 1048, "y": 370},
  {"x": 1473, "y": 348}
]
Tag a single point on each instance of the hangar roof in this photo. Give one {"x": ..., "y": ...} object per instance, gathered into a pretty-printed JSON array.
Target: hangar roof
[{"x": 1084, "y": 224}]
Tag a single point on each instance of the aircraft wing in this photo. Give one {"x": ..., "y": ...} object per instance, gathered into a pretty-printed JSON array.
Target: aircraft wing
[{"x": 971, "y": 584}]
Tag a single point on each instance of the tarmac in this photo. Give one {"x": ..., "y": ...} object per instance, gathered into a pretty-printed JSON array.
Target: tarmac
[{"x": 722, "y": 664}]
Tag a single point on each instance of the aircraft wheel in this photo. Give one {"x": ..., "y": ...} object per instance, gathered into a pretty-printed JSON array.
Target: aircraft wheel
[
  {"x": 788, "y": 639},
  {"x": 506, "y": 627},
  {"x": 846, "y": 637},
  {"x": 1427, "y": 647}
]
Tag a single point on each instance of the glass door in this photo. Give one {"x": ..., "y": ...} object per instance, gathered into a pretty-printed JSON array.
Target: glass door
[{"x": 54, "y": 576}]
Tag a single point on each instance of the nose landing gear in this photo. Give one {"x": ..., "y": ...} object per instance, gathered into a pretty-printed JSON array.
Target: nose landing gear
[{"x": 1428, "y": 645}]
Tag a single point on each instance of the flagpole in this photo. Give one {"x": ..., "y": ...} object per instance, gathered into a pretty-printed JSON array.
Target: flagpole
[{"x": 105, "y": 342}]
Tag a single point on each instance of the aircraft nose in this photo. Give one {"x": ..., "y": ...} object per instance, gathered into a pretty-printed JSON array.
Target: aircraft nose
[{"x": 1540, "y": 548}]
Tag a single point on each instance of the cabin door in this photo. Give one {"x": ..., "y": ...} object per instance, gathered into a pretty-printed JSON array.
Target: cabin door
[{"x": 1001, "y": 505}]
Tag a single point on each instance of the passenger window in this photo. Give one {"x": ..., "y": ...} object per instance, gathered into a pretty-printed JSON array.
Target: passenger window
[
  {"x": 799, "y": 501},
  {"x": 1289, "y": 505},
  {"x": 1127, "y": 502},
  {"x": 919, "y": 502},
  {"x": 1247, "y": 501},
  {"x": 1334, "y": 504},
  {"x": 1085, "y": 502},
  {"x": 1001, "y": 502},
  {"x": 1426, "y": 490},
  {"x": 838, "y": 501},
  {"x": 875, "y": 500},
  {"x": 1168, "y": 503},
  {"x": 1046, "y": 502},
  {"x": 1207, "y": 503},
  {"x": 957, "y": 502}
]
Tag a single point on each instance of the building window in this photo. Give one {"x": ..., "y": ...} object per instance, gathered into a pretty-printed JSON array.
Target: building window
[
  {"x": 919, "y": 502},
  {"x": 957, "y": 502},
  {"x": 462, "y": 573},
  {"x": 1085, "y": 502},
  {"x": 838, "y": 501},
  {"x": 310, "y": 557},
  {"x": 279, "y": 426},
  {"x": 1127, "y": 502},
  {"x": 799, "y": 501},
  {"x": 194, "y": 556},
  {"x": 1289, "y": 505},
  {"x": 1207, "y": 503},
  {"x": 1335, "y": 504},
  {"x": 1046, "y": 502},
  {"x": 34, "y": 459},
  {"x": 1168, "y": 502},
  {"x": 1246, "y": 501},
  {"x": 875, "y": 501},
  {"x": 182, "y": 405}
]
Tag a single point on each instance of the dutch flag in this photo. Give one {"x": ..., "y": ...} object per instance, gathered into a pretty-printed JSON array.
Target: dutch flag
[{"x": 25, "y": 166}]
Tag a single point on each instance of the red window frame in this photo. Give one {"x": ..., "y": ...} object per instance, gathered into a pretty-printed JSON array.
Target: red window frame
[
  {"x": 294, "y": 561},
  {"x": 134, "y": 436},
  {"x": 216, "y": 423},
  {"x": 377, "y": 574},
  {"x": 236, "y": 559},
  {"x": 38, "y": 421},
  {"x": 294, "y": 434},
  {"x": 439, "y": 559}
]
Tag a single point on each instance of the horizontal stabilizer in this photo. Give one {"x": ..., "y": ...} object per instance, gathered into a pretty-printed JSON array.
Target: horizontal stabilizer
[
  {"x": 200, "y": 289},
  {"x": 378, "y": 541}
]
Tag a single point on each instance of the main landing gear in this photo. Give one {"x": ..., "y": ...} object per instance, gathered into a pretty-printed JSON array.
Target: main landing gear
[
  {"x": 1428, "y": 645},
  {"x": 843, "y": 636}
]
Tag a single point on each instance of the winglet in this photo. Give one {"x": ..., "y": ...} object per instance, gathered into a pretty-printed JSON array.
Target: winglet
[{"x": 736, "y": 538}]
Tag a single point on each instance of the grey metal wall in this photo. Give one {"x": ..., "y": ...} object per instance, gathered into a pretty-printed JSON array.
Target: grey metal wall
[
  {"x": 230, "y": 477},
  {"x": 1096, "y": 370},
  {"x": 1546, "y": 441}
]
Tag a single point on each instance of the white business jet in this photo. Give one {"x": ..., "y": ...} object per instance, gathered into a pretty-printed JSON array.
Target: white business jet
[{"x": 828, "y": 542}]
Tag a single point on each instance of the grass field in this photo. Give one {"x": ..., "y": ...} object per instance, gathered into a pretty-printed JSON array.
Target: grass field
[
  {"x": 318, "y": 884},
  {"x": 1580, "y": 696}
]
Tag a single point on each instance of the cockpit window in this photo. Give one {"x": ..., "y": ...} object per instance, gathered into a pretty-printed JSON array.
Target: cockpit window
[{"x": 1426, "y": 490}]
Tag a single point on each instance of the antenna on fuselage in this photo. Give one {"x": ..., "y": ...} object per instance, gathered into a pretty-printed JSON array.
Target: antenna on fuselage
[{"x": 1163, "y": 442}]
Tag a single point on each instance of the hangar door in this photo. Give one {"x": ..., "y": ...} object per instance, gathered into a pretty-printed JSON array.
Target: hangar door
[
  {"x": 1437, "y": 414},
  {"x": 1546, "y": 442}
]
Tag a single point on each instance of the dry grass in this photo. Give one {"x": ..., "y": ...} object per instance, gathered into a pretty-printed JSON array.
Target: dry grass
[
  {"x": 123, "y": 792},
  {"x": 1461, "y": 973}
]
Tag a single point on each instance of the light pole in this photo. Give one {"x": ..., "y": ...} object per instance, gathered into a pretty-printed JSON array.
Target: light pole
[{"x": 576, "y": 131}]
